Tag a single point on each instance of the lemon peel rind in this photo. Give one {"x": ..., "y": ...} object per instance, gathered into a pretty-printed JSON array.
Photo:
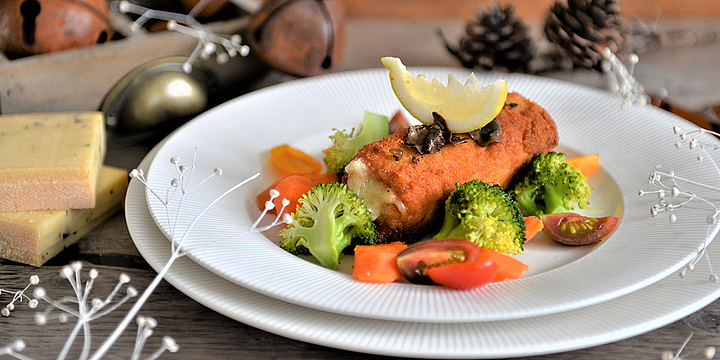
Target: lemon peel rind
[{"x": 490, "y": 99}]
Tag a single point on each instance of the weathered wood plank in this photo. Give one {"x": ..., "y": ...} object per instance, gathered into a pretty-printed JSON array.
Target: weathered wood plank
[
  {"x": 204, "y": 334},
  {"x": 526, "y": 9},
  {"x": 79, "y": 79}
]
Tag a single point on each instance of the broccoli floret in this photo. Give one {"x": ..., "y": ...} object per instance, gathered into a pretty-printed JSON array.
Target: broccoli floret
[
  {"x": 551, "y": 186},
  {"x": 486, "y": 215},
  {"x": 328, "y": 219},
  {"x": 373, "y": 128}
]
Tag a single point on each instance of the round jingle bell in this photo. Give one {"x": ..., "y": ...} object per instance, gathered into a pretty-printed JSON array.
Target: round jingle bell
[
  {"x": 32, "y": 27},
  {"x": 299, "y": 37}
]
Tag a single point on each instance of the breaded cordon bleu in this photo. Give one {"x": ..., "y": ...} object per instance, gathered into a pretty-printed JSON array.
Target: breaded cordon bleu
[{"x": 406, "y": 190}]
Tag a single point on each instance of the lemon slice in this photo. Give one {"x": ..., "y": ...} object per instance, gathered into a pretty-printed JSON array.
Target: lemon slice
[{"x": 465, "y": 107}]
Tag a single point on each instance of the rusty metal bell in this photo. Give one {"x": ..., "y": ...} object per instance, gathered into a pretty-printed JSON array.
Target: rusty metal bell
[
  {"x": 300, "y": 37},
  {"x": 32, "y": 27}
]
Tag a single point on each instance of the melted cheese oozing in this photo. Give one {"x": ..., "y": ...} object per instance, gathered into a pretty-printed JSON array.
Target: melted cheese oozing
[{"x": 375, "y": 193}]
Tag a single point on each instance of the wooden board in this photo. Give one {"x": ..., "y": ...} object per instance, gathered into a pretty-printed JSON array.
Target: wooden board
[
  {"x": 79, "y": 79},
  {"x": 526, "y": 9}
]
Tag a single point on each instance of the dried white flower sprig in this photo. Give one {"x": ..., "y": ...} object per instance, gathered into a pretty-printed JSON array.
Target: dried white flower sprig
[
  {"x": 708, "y": 352},
  {"x": 90, "y": 310},
  {"x": 209, "y": 43},
  {"x": 179, "y": 184},
  {"x": 19, "y": 296},
  {"x": 672, "y": 192},
  {"x": 621, "y": 79},
  {"x": 269, "y": 205}
]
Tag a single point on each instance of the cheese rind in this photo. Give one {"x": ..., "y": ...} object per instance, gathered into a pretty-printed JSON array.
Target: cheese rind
[
  {"x": 34, "y": 237},
  {"x": 50, "y": 161}
]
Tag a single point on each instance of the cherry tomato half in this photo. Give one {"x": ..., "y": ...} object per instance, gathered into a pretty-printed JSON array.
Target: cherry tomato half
[
  {"x": 575, "y": 229},
  {"x": 464, "y": 275},
  {"x": 414, "y": 261},
  {"x": 509, "y": 268}
]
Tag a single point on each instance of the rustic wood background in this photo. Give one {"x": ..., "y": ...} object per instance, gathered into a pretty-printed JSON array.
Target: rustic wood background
[{"x": 527, "y": 9}]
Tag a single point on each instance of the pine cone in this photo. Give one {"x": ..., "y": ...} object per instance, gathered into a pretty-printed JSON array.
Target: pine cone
[
  {"x": 583, "y": 28},
  {"x": 496, "y": 38}
]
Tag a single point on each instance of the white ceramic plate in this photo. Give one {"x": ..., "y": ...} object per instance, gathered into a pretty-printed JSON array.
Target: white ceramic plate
[
  {"x": 654, "y": 306},
  {"x": 238, "y": 135}
]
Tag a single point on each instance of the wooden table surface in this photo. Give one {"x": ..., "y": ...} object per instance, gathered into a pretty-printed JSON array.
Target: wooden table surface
[{"x": 690, "y": 74}]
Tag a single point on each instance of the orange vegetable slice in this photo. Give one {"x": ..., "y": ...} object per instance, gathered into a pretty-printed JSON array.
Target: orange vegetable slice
[
  {"x": 292, "y": 187},
  {"x": 288, "y": 160},
  {"x": 508, "y": 268},
  {"x": 587, "y": 164},
  {"x": 533, "y": 225},
  {"x": 377, "y": 263},
  {"x": 464, "y": 275}
]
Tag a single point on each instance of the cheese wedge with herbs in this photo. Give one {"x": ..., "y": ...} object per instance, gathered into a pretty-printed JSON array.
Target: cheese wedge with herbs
[
  {"x": 50, "y": 161},
  {"x": 34, "y": 237}
]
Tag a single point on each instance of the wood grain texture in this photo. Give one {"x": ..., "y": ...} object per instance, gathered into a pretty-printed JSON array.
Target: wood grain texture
[
  {"x": 204, "y": 334},
  {"x": 79, "y": 79},
  {"x": 526, "y": 9}
]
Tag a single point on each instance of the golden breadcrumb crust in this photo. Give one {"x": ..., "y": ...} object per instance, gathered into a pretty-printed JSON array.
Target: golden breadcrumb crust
[{"x": 423, "y": 182}]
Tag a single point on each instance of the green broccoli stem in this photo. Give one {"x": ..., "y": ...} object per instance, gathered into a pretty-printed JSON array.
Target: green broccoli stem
[
  {"x": 326, "y": 244},
  {"x": 554, "y": 200},
  {"x": 526, "y": 203},
  {"x": 450, "y": 228}
]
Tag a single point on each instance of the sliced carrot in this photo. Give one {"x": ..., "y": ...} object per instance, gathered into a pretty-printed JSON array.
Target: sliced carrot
[
  {"x": 322, "y": 178},
  {"x": 533, "y": 225},
  {"x": 264, "y": 195},
  {"x": 587, "y": 164},
  {"x": 508, "y": 268},
  {"x": 291, "y": 190},
  {"x": 288, "y": 160},
  {"x": 377, "y": 263}
]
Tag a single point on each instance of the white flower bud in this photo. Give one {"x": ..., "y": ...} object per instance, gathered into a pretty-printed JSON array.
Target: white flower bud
[
  {"x": 18, "y": 345},
  {"x": 124, "y": 278},
  {"x": 39, "y": 292},
  {"x": 151, "y": 322},
  {"x": 170, "y": 344},
  {"x": 710, "y": 352},
  {"x": 269, "y": 205}
]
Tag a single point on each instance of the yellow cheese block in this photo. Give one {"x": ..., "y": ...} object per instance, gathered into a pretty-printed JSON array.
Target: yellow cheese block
[
  {"x": 50, "y": 161},
  {"x": 34, "y": 237}
]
